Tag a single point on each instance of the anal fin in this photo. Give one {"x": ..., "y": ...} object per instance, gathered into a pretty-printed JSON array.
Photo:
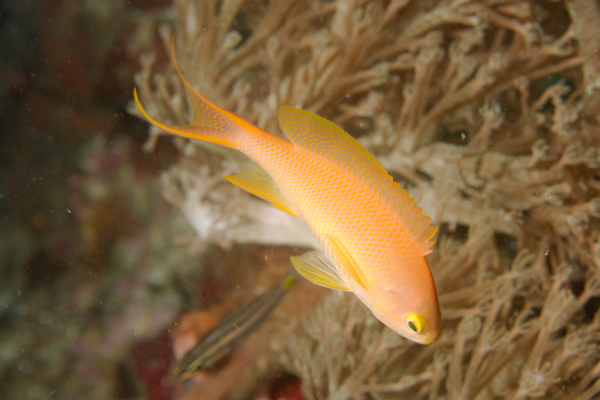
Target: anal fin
[{"x": 255, "y": 180}]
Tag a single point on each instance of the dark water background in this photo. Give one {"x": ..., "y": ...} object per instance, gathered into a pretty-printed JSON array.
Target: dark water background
[{"x": 71, "y": 161}]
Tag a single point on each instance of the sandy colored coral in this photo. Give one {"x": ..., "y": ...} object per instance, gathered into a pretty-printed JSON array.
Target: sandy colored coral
[{"x": 486, "y": 112}]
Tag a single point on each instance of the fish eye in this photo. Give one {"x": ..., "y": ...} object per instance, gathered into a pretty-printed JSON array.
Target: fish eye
[{"x": 415, "y": 322}]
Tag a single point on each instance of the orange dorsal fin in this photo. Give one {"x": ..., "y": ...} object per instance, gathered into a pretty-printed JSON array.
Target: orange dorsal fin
[
  {"x": 211, "y": 123},
  {"x": 323, "y": 137}
]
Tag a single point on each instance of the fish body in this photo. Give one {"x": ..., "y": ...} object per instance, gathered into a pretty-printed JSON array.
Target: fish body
[
  {"x": 374, "y": 236},
  {"x": 231, "y": 330}
]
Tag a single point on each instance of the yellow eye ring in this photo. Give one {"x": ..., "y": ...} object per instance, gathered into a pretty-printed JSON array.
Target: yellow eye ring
[{"x": 415, "y": 322}]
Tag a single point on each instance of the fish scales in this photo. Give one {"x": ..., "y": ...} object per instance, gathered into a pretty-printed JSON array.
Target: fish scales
[
  {"x": 374, "y": 236},
  {"x": 318, "y": 187}
]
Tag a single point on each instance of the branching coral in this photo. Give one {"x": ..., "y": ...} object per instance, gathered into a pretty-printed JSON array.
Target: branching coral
[
  {"x": 486, "y": 113},
  {"x": 503, "y": 338},
  {"x": 220, "y": 216}
]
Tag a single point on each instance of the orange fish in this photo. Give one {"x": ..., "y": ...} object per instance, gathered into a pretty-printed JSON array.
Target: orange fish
[{"x": 373, "y": 235}]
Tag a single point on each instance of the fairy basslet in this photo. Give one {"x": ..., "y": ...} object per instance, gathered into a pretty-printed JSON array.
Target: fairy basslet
[{"x": 374, "y": 236}]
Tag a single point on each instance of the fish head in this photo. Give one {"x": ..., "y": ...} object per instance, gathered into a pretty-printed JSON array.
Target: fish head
[
  {"x": 410, "y": 308},
  {"x": 422, "y": 326}
]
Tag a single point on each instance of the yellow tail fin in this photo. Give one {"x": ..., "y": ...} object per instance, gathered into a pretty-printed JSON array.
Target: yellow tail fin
[{"x": 211, "y": 123}]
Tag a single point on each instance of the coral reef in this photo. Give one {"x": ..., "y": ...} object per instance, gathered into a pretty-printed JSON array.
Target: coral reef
[
  {"x": 485, "y": 111},
  {"x": 218, "y": 215}
]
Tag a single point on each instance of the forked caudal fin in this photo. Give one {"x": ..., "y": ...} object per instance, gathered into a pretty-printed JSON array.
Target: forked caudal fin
[{"x": 211, "y": 123}]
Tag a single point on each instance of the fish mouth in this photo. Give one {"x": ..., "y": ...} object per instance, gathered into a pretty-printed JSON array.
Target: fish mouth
[
  {"x": 422, "y": 339},
  {"x": 427, "y": 341}
]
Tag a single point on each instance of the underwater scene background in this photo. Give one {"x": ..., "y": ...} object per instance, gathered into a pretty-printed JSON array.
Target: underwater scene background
[{"x": 121, "y": 246}]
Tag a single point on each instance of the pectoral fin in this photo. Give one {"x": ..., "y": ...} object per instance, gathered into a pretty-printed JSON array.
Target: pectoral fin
[
  {"x": 344, "y": 257},
  {"x": 255, "y": 180},
  {"x": 317, "y": 268}
]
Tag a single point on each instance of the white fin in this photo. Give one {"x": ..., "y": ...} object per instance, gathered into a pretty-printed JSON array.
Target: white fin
[
  {"x": 323, "y": 137},
  {"x": 318, "y": 268},
  {"x": 255, "y": 180}
]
